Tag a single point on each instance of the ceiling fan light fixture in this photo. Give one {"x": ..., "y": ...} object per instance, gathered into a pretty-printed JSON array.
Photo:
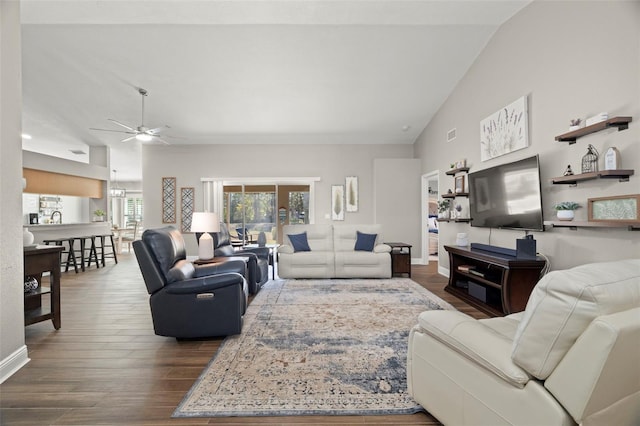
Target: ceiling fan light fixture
[{"x": 143, "y": 137}]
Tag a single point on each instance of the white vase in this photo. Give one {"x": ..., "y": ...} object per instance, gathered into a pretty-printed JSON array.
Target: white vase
[
  {"x": 566, "y": 214},
  {"x": 27, "y": 237}
]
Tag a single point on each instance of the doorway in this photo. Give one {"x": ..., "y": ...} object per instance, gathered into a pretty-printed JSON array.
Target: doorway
[{"x": 430, "y": 193}]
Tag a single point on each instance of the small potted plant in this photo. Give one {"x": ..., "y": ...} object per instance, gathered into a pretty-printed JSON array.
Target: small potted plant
[
  {"x": 566, "y": 210},
  {"x": 575, "y": 124},
  {"x": 98, "y": 215},
  {"x": 458, "y": 208},
  {"x": 443, "y": 209}
]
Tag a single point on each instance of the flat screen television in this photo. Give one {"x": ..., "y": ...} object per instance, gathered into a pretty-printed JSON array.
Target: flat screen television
[{"x": 507, "y": 196}]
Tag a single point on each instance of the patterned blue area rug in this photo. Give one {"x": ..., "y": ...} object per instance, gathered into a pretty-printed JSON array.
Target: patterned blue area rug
[{"x": 316, "y": 347}]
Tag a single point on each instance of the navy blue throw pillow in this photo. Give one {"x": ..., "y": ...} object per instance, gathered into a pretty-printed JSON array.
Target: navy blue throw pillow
[
  {"x": 365, "y": 242},
  {"x": 299, "y": 242}
]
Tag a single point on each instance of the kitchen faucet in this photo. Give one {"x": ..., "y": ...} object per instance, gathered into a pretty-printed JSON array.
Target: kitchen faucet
[{"x": 54, "y": 213}]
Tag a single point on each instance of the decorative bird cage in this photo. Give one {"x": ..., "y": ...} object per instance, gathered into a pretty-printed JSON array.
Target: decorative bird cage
[{"x": 590, "y": 160}]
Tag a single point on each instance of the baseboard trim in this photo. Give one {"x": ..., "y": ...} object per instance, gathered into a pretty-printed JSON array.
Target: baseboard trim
[
  {"x": 443, "y": 271},
  {"x": 13, "y": 363}
]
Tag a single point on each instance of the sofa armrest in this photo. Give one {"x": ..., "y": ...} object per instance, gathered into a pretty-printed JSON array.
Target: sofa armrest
[
  {"x": 204, "y": 284},
  {"x": 285, "y": 249},
  {"x": 598, "y": 380},
  {"x": 382, "y": 248},
  {"x": 475, "y": 341}
]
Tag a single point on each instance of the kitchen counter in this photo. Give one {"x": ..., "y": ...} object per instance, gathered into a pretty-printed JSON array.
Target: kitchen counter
[{"x": 47, "y": 231}]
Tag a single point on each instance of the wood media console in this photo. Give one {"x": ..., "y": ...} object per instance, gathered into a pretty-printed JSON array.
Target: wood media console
[{"x": 493, "y": 282}]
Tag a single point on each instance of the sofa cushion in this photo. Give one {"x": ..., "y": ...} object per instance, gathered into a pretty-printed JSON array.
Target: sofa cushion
[
  {"x": 299, "y": 242},
  {"x": 365, "y": 242},
  {"x": 320, "y": 237},
  {"x": 564, "y": 303},
  {"x": 344, "y": 236}
]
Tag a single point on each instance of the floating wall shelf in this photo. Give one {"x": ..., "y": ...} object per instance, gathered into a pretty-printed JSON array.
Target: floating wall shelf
[
  {"x": 573, "y": 224},
  {"x": 453, "y": 172},
  {"x": 622, "y": 123},
  {"x": 621, "y": 175}
]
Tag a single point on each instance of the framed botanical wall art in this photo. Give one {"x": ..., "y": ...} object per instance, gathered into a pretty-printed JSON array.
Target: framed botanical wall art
[
  {"x": 186, "y": 208},
  {"x": 337, "y": 202},
  {"x": 618, "y": 209},
  {"x": 459, "y": 184},
  {"x": 351, "y": 194},
  {"x": 505, "y": 131},
  {"x": 168, "y": 200}
]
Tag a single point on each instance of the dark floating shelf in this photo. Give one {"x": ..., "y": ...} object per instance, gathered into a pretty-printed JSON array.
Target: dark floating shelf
[
  {"x": 574, "y": 224},
  {"x": 453, "y": 172},
  {"x": 622, "y": 123},
  {"x": 456, "y": 194},
  {"x": 455, "y": 220},
  {"x": 622, "y": 175}
]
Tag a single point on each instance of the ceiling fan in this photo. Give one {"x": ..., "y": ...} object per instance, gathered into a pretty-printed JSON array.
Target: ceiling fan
[{"x": 141, "y": 133}]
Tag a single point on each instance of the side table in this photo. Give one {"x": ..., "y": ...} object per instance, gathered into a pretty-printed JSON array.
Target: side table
[
  {"x": 37, "y": 261},
  {"x": 400, "y": 258}
]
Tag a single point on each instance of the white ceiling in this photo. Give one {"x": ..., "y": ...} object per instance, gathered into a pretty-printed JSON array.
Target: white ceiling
[{"x": 294, "y": 71}]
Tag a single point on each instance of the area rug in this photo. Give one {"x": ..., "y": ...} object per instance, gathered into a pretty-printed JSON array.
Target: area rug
[{"x": 316, "y": 347}]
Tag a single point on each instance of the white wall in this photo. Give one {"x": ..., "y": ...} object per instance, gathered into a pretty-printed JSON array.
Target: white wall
[
  {"x": 572, "y": 60},
  {"x": 397, "y": 201},
  {"x": 13, "y": 352},
  {"x": 332, "y": 163}
]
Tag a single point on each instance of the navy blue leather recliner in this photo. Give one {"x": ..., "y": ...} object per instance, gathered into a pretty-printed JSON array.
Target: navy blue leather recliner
[
  {"x": 258, "y": 262},
  {"x": 187, "y": 300}
]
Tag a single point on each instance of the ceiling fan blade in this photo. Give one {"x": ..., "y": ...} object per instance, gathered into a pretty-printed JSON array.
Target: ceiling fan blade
[
  {"x": 121, "y": 124},
  {"x": 160, "y": 140},
  {"x": 109, "y": 130},
  {"x": 128, "y": 139},
  {"x": 155, "y": 131}
]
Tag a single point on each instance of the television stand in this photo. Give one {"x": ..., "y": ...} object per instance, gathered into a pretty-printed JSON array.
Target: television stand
[{"x": 495, "y": 283}]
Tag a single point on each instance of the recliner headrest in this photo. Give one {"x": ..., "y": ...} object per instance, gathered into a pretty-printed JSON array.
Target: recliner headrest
[{"x": 167, "y": 246}]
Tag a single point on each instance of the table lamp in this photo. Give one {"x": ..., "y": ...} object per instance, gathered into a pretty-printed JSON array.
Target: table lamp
[{"x": 205, "y": 222}]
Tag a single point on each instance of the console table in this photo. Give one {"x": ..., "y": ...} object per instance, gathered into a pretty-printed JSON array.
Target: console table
[
  {"x": 38, "y": 260},
  {"x": 494, "y": 283}
]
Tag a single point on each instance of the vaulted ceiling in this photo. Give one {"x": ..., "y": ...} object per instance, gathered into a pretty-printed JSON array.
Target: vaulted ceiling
[{"x": 297, "y": 71}]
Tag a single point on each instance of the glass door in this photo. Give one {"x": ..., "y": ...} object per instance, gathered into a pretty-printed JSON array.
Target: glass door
[
  {"x": 293, "y": 206},
  {"x": 250, "y": 212}
]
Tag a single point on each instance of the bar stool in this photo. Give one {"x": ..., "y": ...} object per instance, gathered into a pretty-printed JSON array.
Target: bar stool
[
  {"x": 70, "y": 252},
  {"x": 103, "y": 247},
  {"x": 93, "y": 253}
]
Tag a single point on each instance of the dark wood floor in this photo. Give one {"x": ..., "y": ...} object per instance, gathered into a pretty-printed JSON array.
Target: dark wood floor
[{"x": 105, "y": 365}]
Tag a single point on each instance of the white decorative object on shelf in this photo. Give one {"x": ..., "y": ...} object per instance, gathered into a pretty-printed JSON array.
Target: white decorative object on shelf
[
  {"x": 612, "y": 159},
  {"x": 566, "y": 214},
  {"x": 603, "y": 116},
  {"x": 27, "y": 237},
  {"x": 462, "y": 240}
]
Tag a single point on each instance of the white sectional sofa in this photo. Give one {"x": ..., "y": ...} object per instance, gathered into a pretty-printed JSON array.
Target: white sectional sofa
[
  {"x": 571, "y": 357},
  {"x": 332, "y": 253}
]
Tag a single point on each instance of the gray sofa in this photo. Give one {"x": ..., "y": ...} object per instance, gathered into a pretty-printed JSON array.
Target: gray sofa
[{"x": 332, "y": 253}]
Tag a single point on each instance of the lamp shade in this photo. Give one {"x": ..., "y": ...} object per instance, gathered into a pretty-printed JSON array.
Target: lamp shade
[{"x": 205, "y": 222}]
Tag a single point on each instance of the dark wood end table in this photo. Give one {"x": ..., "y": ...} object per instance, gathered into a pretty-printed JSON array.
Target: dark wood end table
[{"x": 400, "y": 258}]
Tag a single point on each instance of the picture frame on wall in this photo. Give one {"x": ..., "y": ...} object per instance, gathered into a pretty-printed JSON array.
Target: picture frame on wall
[
  {"x": 187, "y": 200},
  {"x": 351, "y": 193},
  {"x": 505, "y": 131},
  {"x": 337, "y": 202},
  {"x": 169, "y": 200},
  {"x": 616, "y": 209},
  {"x": 459, "y": 188}
]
